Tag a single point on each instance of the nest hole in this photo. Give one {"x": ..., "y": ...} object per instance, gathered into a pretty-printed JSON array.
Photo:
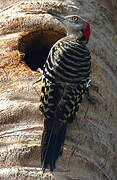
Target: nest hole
[{"x": 35, "y": 46}]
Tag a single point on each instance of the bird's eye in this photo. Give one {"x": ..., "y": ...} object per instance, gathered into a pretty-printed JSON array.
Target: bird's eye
[{"x": 75, "y": 19}]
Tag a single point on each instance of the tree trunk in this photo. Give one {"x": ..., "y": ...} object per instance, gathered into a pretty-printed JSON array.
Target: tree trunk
[{"x": 27, "y": 33}]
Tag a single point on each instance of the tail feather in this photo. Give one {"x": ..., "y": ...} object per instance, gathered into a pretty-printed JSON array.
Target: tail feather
[{"x": 52, "y": 146}]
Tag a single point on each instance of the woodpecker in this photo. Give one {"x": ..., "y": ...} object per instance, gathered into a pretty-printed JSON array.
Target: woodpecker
[{"x": 65, "y": 78}]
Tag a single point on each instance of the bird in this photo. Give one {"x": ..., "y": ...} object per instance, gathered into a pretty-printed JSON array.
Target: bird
[{"x": 65, "y": 78}]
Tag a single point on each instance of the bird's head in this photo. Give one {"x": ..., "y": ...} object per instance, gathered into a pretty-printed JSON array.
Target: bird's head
[{"x": 74, "y": 24}]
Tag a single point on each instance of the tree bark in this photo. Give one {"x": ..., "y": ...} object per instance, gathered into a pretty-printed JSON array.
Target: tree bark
[{"x": 27, "y": 33}]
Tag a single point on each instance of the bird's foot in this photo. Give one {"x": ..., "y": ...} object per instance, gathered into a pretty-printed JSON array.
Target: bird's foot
[
  {"x": 94, "y": 87},
  {"x": 90, "y": 99}
]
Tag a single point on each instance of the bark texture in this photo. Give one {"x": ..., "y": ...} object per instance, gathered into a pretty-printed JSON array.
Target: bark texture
[{"x": 27, "y": 33}]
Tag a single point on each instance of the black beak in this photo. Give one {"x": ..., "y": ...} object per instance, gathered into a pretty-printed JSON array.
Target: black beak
[{"x": 60, "y": 18}]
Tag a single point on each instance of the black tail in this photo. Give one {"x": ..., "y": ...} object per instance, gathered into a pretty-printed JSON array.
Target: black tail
[{"x": 52, "y": 146}]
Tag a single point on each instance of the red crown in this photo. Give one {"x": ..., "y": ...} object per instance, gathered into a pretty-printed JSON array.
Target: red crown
[{"x": 86, "y": 32}]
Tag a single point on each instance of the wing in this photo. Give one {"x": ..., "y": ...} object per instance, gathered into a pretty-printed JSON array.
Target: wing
[
  {"x": 68, "y": 62},
  {"x": 59, "y": 105}
]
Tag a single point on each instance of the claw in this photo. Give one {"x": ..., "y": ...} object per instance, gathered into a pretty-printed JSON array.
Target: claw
[
  {"x": 91, "y": 85},
  {"x": 40, "y": 79},
  {"x": 90, "y": 99},
  {"x": 95, "y": 87}
]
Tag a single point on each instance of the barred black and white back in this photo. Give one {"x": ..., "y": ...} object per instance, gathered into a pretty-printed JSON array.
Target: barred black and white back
[{"x": 68, "y": 62}]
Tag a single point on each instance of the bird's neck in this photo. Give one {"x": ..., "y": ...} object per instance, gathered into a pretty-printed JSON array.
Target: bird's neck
[{"x": 79, "y": 36}]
